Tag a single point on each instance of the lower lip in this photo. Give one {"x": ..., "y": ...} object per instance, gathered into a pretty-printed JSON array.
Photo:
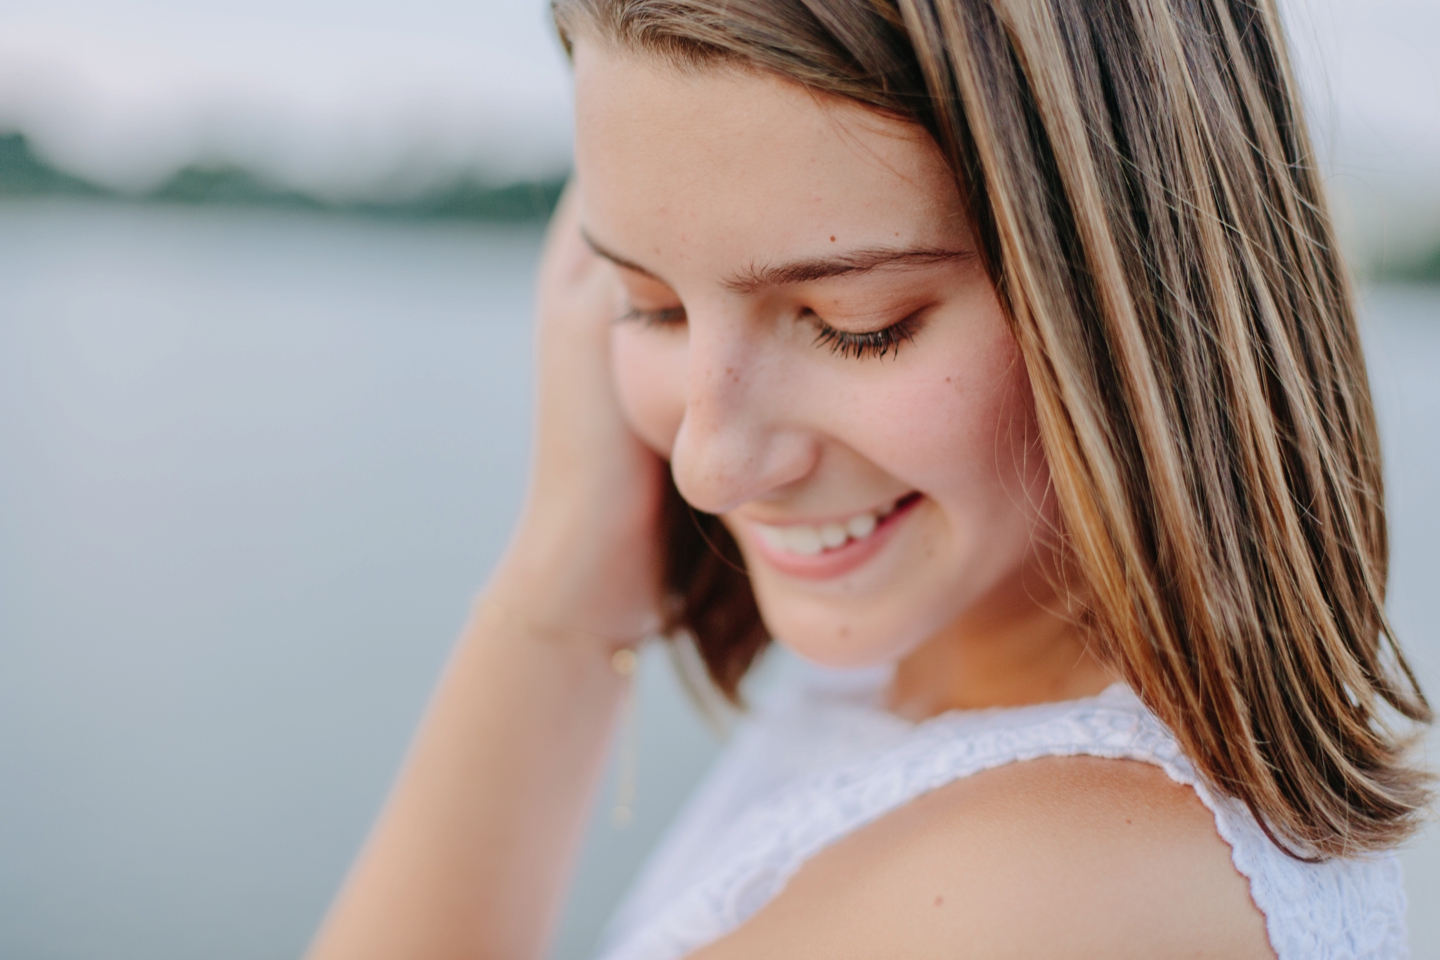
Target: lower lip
[{"x": 843, "y": 559}]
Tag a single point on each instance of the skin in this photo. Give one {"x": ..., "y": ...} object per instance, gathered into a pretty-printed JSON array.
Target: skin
[
  {"x": 720, "y": 201},
  {"x": 693, "y": 181}
]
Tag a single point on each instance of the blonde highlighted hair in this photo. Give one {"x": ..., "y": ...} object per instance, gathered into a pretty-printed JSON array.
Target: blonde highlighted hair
[{"x": 1150, "y": 212}]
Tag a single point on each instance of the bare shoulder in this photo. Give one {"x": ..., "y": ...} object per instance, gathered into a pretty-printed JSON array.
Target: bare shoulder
[{"x": 1059, "y": 857}]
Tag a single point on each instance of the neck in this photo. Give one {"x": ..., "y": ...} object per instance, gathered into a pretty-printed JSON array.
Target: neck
[{"x": 1011, "y": 649}]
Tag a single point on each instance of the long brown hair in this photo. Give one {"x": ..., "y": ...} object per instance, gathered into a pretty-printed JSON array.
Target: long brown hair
[{"x": 1149, "y": 210}]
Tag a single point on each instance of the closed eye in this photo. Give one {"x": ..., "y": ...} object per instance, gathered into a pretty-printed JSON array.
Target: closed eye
[
  {"x": 843, "y": 343},
  {"x": 665, "y": 317},
  {"x": 871, "y": 343}
]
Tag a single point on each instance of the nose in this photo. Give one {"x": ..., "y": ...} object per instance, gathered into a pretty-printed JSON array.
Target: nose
[{"x": 738, "y": 440}]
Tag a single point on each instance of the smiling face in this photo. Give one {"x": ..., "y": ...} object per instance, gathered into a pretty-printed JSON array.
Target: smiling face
[{"x": 809, "y": 338}]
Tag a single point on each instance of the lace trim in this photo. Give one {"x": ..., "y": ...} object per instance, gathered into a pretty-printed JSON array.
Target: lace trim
[{"x": 1337, "y": 910}]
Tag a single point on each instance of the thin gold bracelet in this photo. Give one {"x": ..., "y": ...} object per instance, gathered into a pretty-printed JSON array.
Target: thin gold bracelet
[
  {"x": 625, "y": 663},
  {"x": 498, "y": 613}
]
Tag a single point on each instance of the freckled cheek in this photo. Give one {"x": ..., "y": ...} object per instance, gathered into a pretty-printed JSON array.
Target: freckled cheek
[
  {"x": 923, "y": 438},
  {"x": 649, "y": 370},
  {"x": 963, "y": 442}
]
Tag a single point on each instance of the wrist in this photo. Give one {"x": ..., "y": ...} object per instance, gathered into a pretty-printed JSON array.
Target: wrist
[
  {"x": 518, "y": 617},
  {"x": 565, "y": 578}
]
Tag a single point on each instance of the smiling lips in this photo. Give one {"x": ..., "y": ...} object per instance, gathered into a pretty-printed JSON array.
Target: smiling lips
[
  {"x": 822, "y": 551},
  {"x": 808, "y": 540}
]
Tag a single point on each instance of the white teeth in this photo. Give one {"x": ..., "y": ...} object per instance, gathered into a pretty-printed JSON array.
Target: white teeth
[
  {"x": 802, "y": 539},
  {"x": 861, "y": 526},
  {"x": 772, "y": 536},
  {"x": 808, "y": 540}
]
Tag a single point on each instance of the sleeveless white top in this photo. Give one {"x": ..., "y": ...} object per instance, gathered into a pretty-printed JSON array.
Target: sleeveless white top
[{"x": 821, "y": 758}]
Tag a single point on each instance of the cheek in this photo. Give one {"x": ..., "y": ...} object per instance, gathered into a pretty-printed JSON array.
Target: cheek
[
  {"x": 649, "y": 369},
  {"x": 963, "y": 431}
]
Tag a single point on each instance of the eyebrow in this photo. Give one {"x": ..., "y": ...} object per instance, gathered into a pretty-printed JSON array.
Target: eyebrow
[
  {"x": 615, "y": 258},
  {"x": 844, "y": 264},
  {"x": 803, "y": 271}
]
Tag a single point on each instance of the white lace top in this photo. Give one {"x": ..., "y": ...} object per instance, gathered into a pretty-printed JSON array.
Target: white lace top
[{"x": 820, "y": 758}]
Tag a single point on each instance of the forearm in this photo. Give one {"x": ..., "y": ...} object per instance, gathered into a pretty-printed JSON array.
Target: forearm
[
  {"x": 472, "y": 853},
  {"x": 470, "y": 858}
]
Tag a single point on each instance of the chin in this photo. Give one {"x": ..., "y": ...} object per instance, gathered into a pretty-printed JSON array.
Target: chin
[{"x": 831, "y": 637}]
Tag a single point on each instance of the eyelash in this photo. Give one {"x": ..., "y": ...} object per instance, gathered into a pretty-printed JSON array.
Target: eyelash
[
  {"x": 872, "y": 343},
  {"x": 843, "y": 343},
  {"x": 653, "y": 318}
]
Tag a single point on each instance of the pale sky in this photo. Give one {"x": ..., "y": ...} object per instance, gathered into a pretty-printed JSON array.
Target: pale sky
[
  {"x": 320, "y": 93},
  {"x": 337, "y": 94}
]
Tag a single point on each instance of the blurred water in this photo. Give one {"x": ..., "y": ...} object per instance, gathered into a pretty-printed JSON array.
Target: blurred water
[{"x": 252, "y": 466}]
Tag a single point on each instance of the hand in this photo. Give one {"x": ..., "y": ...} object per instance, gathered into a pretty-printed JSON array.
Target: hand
[{"x": 586, "y": 553}]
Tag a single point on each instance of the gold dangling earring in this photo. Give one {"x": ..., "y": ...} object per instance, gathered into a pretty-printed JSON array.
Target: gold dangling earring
[{"x": 626, "y": 662}]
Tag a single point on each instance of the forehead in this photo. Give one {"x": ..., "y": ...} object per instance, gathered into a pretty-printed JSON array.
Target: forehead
[{"x": 687, "y": 168}]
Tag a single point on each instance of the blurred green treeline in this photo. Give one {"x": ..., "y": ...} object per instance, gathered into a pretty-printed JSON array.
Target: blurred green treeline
[{"x": 23, "y": 174}]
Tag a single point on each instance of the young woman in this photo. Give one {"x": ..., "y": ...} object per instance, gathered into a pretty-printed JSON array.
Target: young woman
[{"x": 1002, "y": 346}]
